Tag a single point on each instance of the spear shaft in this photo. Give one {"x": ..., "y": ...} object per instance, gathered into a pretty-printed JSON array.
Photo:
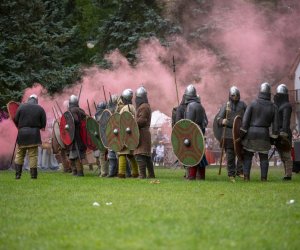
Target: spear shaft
[{"x": 174, "y": 71}]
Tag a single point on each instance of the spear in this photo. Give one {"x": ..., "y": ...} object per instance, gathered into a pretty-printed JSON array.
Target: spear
[
  {"x": 104, "y": 93},
  {"x": 59, "y": 107},
  {"x": 79, "y": 93},
  {"x": 87, "y": 100},
  {"x": 174, "y": 70}
]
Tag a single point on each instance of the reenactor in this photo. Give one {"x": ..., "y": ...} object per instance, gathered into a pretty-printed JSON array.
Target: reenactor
[
  {"x": 259, "y": 117},
  {"x": 281, "y": 99},
  {"x": 196, "y": 113},
  {"x": 30, "y": 118},
  {"x": 98, "y": 154},
  {"x": 124, "y": 103},
  {"x": 77, "y": 148},
  {"x": 143, "y": 119},
  {"x": 225, "y": 118}
]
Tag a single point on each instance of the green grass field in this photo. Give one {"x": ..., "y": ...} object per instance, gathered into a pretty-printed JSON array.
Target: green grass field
[{"x": 56, "y": 212}]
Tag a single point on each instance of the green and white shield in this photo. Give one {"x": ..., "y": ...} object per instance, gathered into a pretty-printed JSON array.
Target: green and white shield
[
  {"x": 129, "y": 130},
  {"x": 188, "y": 142},
  {"x": 112, "y": 132}
]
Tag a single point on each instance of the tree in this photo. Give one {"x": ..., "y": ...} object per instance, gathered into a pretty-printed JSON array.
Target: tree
[
  {"x": 131, "y": 22},
  {"x": 35, "y": 47}
]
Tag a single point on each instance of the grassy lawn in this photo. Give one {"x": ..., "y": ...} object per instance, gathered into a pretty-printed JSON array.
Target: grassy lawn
[{"x": 56, "y": 212}]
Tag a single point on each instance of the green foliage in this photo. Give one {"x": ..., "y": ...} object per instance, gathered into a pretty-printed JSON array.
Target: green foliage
[
  {"x": 132, "y": 22},
  {"x": 56, "y": 212},
  {"x": 36, "y": 47}
]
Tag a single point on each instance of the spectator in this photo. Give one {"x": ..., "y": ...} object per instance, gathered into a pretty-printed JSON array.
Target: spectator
[{"x": 160, "y": 154}]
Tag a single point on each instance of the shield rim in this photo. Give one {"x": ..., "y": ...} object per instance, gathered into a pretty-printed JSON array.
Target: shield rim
[
  {"x": 237, "y": 139},
  {"x": 203, "y": 142},
  {"x": 9, "y": 113},
  {"x": 216, "y": 127},
  {"x": 104, "y": 134},
  {"x": 57, "y": 136}
]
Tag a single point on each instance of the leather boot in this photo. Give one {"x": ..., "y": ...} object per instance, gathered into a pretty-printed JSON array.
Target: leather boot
[
  {"x": 18, "y": 171},
  {"x": 288, "y": 166},
  {"x": 246, "y": 177},
  {"x": 142, "y": 170},
  {"x": 79, "y": 168},
  {"x": 150, "y": 170},
  {"x": 33, "y": 173},
  {"x": 73, "y": 166},
  {"x": 202, "y": 173}
]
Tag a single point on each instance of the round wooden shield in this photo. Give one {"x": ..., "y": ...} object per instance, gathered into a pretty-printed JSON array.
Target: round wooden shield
[
  {"x": 129, "y": 130},
  {"x": 54, "y": 143},
  {"x": 94, "y": 132},
  {"x": 106, "y": 114},
  {"x": 57, "y": 134},
  {"x": 237, "y": 142},
  {"x": 12, "y": 107},
  {"x": 113, "y": 134},
  {"x": 85, "y": 136},
  {"x": 67, "y": 128},
  {"x": 188, "y": 142},
  {"x": 218, "y": 130}
]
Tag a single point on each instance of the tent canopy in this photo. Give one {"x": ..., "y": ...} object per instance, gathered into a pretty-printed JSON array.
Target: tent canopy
[{"x": 158, "y": 119}]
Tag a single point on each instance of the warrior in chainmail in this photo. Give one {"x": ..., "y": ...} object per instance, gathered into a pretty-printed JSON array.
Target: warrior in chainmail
[
  {"x": 260, "y": 116},
  {"x": 143, "y": 119},
  {"x": 125, "y": 104},
  {"x": 281, "y": 99},
  {"x": 98, "y": 154},
  {"x": 196, "y": 113},
  {"x": 30, "y": 118},
  {"x": 225, "y": 119},
  {"x": 77, "y": 148}
]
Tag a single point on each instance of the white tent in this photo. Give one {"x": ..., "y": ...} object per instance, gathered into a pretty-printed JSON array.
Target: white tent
[{"x": 158, "y": 119}]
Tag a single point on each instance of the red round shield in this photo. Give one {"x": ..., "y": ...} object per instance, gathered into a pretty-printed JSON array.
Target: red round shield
[
  {"x": 85, "y": 136},
  {"x": 12, "y": 107},
  {"x": 67, "y": 128}
]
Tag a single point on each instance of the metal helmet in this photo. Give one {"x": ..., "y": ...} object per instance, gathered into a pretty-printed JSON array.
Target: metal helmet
[
  {"x": 265, "y": 88},
  {"x": 127, "y": 94},
  {"x": 141, "y": 92},
  {"x": 282, "y": 89},
  {"x": 234, "y": 93},
  {"x": 101, "y": 105},
  {"x": 190, "y": 91},
  {"x": 73, "y": 99},
  {"x": 34, "y": 96}
]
